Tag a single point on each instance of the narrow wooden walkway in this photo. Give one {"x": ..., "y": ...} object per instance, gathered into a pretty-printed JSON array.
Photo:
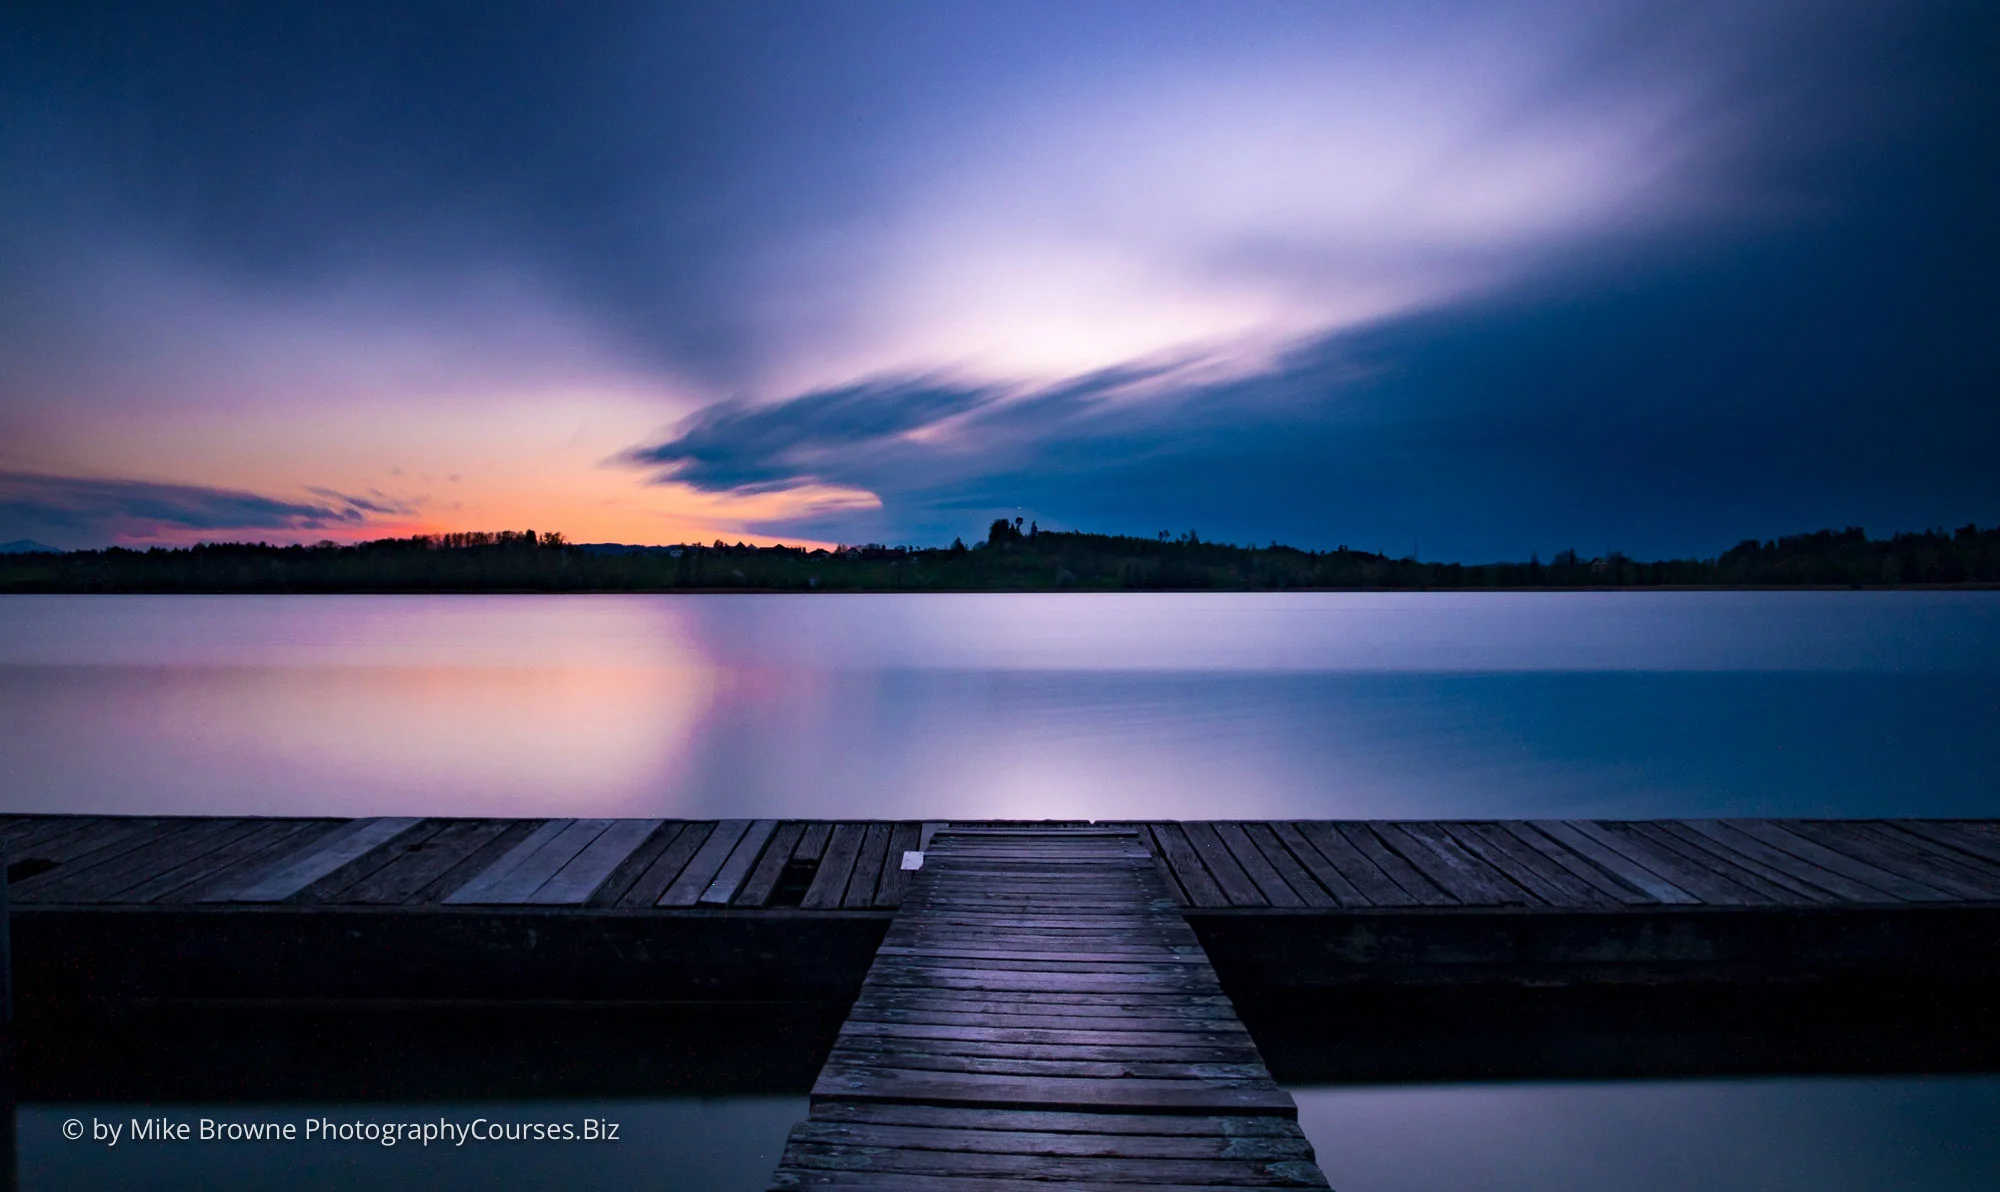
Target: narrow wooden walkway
[{"x": 1038, "y": 1012}]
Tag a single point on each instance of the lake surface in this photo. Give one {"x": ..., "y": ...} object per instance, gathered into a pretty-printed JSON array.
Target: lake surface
[{"x": 1090, "y": 706}]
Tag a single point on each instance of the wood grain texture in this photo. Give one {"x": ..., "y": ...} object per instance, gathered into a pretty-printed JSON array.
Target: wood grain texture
[
  {"x": 323, "y": 856},
  {"x": 1040, "y": 1011}
]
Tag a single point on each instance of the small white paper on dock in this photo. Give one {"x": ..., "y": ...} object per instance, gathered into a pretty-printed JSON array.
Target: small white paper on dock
[{"x": 913, "y": 860}]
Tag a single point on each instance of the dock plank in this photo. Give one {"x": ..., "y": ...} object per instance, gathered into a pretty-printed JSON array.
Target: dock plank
[
  {"x": 1616, "y": 857},
  {"x": 105, "y": 872},
  {"x": 1034, "y": 983},
  {"x": 1450, "y": 866},
  {"x": 1810, "y": 881},
  {"x": 1602, "y": 880},
  {"x": 707, "y": 861},
  {"x": 770, "y": 867},
  {"x": 836, "y": 866},
  {"x": 903, "y": 838},
  {"x": 1237, "y": 888},
  {"x": 1363, "y": 876},
  {"x": 315, "y": 861},
  {"x": 736, "y": 867},
  {"x": 1265, "y": 876},
  {"x": 593, "y": 865},
  {"x": 483, "y": 885},
  {"x": 1879, "y": 845},
  {"x": 1784, "y": 840},
  {"x": 667, "y": 867},
  {"x": 1420, "y": 890},
  {"x": 418, "y": 863},
  {"x": 868, "y": 862},
  {"x": 1767, "y": 885},
  {"x": 1525, "y": 867}
]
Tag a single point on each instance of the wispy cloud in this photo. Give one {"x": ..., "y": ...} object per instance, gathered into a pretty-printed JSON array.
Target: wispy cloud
[{"x": 85, "y": 511}]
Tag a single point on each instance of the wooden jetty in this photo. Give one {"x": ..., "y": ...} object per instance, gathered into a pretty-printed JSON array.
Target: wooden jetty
[
  {"x": 1055, "y": 1002},
  {"x": 152, "y": 908},
  {"x": 1041, "y": 1011}
]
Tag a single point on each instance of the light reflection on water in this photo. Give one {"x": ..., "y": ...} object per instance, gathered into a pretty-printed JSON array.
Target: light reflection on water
[{"x": 958, "y": 706}]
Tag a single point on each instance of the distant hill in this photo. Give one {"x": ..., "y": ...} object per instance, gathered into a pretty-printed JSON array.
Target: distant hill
[
  {"x": 621, "y": 548},
  {"x": 1007, "y": 560},
  {"x": 27, "y": 546}
]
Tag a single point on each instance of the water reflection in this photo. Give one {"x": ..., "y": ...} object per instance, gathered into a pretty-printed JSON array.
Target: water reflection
[{"x": 1062, "y": 706}]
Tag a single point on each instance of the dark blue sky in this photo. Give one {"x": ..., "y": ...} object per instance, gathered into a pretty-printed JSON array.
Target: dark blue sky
[{"x": 1474, "y": 281}]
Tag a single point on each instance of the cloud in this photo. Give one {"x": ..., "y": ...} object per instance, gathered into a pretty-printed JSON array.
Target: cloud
[{"x": 79, "y": 511}]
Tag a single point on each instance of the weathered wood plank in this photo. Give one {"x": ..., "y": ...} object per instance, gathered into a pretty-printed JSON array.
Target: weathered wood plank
[
  {"x": 100, "y": 842},
  {"x": 707, "y": 861},
  {"x": 728, "y": 879},
  {"x": 667, "y": 868},
  {"x": 1615, "y": 856},
  {"x": 1576, "y": 865},
  {"x": 903, "y": 839},
  {"x": 1874, "y": 843},
  {"x": 812, "y": 841},
  {"x": 87, "y": 881},
  {"x": 1269, "y": 882},
  {"x": 868, "y": 863},
  {"x": 1699, "y": 876},
  {"x": 1237, "y": 1037},
  {"x": 476, "y": 862},
  {"x": 334, "y": 886},
  {"x": 829, "y": 884},
  {"x": 1893, "y": 885},
  {"x": 593, "y": 865},
  {"x": 1082, "y": 1143},
  {"x": 1952, "y": 835},
  {"x": 483, "y": 886},
  {"x": 1807, "y": 880},
  {"x": 1048, "y": 1121},
  {"x": 1450, "y": 866},
  {"x": 257, "y": 836},
  {"x": 1697, "y": 854},
  {"x": 1420, "y": 889},
  {"x": 1370, "y": 885},
  {"x": 232, "y": 865},
  {"x": 770, "y": 867},
  {"x": 417, "y": 864},
  {"x": 320, "y": 858},
  {"x": 1525, "y": 867},
  {"x": 1286, "y": 1172},
  {"x": 1237, "y": 888},
  {"x": 1053, "y": 1092}
]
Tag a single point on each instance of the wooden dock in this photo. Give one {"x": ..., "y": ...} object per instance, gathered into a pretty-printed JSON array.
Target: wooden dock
[
  {"x": 1055, "y": 1002},
  {"x": 443, "y": 909},
  {"x": 642, "y": 864},
  {"x": 1041, "y": 1011}
]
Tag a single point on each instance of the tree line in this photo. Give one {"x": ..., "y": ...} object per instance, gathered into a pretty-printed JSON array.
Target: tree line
[{"x": 1010, "y": 558}]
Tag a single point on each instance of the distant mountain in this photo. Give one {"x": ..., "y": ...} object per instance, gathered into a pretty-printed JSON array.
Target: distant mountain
[{"x": 27, "y": 546}]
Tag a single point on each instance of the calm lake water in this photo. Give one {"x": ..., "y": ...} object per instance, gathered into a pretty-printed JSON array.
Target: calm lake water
[
  {"x": 1613, "y": 704},
  {"x": 1095, "y": 706}
]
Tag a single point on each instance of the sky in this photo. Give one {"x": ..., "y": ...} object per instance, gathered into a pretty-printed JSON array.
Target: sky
[{"x": 1464, "y": 281}]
